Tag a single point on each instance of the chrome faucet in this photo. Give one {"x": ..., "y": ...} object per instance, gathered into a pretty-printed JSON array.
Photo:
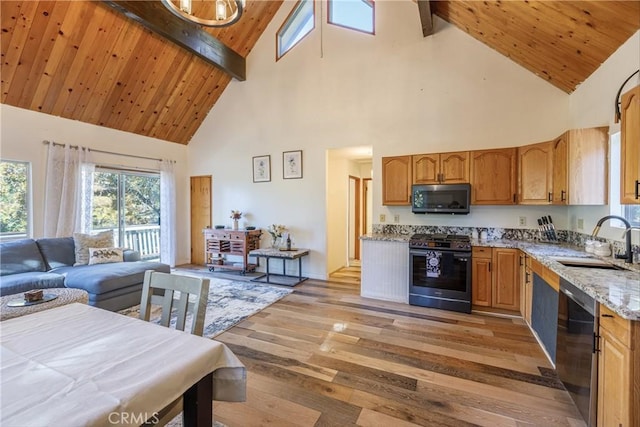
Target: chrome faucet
[{"x": 628, "y": 257}]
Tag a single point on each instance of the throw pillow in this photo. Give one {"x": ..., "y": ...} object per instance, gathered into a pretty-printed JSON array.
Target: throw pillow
[
  {"x": 83, "y": 242},
  {"x": 105, "y": 255}
]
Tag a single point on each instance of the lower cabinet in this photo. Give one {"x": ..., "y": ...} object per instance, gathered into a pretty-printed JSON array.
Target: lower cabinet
[
  {"x": 495, "y": 276},
  {"x": 526, "y": 290},
  {"x": 618, "y": 371}
]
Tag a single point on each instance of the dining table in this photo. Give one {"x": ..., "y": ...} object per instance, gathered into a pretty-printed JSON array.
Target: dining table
[{"x": 78, "y": 365}]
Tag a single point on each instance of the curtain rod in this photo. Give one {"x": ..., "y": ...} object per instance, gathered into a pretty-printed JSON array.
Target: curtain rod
[{"x": 109, "y": 152}]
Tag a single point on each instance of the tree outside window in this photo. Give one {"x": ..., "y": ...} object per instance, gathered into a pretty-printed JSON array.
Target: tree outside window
[{"x": 14, "y": 199}]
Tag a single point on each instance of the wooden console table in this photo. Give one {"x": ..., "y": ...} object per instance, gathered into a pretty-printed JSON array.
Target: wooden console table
[
  {"x": 220, "y": 243},
  {"x": 284, "y": 278}
]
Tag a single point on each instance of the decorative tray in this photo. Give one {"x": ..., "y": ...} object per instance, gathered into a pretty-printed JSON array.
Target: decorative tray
[{"x": 23, "y": 303}]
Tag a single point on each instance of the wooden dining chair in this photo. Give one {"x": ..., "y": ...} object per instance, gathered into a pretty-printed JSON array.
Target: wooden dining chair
[
  {"x": 159, "y": 289},
  {"x": 195, "y": 287}
]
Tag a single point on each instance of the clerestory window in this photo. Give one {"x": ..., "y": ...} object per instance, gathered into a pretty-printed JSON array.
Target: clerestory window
[
  {"x": 357, "y": 15},
  {"x": 298, "y": 24}
]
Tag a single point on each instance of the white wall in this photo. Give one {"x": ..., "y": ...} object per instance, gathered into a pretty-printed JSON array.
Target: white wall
[
  {"x": 592, "y": 104},
  {"x": 21, "y": 139},
  {"x": 396, "y": 91}
]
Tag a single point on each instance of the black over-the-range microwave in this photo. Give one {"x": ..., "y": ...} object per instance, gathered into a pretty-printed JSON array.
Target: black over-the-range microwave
[{"x": 440, "y": 198}]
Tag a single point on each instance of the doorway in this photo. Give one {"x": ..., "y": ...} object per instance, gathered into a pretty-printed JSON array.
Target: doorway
[
  {"x": 201, "y": 206},
  {"x": 354, "y": 220},
  {"x": 128, "y": 202}
]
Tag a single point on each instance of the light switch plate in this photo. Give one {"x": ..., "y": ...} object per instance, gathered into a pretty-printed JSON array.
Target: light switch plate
[
  {"x": 522, "y": 221},
  {"x": 580, "y": 224},
  {"x": 383, "y": 217},
  {"x": 396, "y": 218}
]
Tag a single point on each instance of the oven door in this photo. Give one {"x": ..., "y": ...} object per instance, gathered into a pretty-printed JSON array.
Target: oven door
[{"x": 440, "y": 279}]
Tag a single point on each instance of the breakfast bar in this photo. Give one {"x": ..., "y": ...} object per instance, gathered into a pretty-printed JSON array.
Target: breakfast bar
[{"x": 284, "y": 255}]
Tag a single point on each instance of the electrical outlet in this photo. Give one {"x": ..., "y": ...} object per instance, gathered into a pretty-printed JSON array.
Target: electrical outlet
[
  {"x": 522, "y": 221},
  {"x": 383, "y": 217},
  {"x": 396, "y": 218},
  {"x": 580, "y": 223}
]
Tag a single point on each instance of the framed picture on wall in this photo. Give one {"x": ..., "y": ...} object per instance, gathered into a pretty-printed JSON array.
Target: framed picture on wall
[
  {"x": 262, "y": 168},
  {"x": 292, "y": 164}
]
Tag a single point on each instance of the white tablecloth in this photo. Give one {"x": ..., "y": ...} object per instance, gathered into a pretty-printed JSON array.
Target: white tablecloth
[{"x": 78, "y": 365}]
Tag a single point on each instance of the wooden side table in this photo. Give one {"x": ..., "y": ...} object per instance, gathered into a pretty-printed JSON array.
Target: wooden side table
[
  {"x": 284, "y": 255},
  {"x": 219, "y": 244},
  {"x": 63, "y": 296}
]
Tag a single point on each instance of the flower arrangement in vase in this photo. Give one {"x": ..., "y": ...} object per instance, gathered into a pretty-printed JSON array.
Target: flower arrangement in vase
[
  {"x": 276, "y": 231},
  {"x": 235, "y": 216}
]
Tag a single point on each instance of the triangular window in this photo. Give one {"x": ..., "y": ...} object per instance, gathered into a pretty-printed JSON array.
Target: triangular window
[
  {"x": 356, "y": 15},
  {"x": 298, "y": 24}
]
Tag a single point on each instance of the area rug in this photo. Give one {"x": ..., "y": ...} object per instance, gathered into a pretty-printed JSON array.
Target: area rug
[{"x": 229, "y": 303}]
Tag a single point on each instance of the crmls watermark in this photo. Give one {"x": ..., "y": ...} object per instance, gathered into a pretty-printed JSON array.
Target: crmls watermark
[{"x": 117, "y": 418}]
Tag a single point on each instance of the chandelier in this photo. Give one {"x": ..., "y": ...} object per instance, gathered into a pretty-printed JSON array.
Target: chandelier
[{"x": 210, "y": 13}]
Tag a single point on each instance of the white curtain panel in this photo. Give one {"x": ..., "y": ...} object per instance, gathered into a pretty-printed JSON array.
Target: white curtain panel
[
  {"x": 68, "y": 191},
  {"x": 167, "y": 213}
]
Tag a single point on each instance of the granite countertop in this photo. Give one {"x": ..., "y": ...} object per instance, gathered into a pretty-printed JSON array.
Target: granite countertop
[{"x": 619, "y": 290}]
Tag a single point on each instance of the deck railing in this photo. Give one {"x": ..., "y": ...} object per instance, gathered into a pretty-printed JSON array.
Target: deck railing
[{"x": 144, "y": 239}]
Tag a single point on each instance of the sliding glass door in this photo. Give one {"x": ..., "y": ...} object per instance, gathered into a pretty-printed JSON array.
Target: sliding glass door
[{"x": 128, "y": 202}]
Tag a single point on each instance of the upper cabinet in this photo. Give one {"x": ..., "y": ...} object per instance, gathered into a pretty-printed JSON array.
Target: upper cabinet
[
  {"x": 493, "y": 177},
  {"x": 441, "y": 168},
  {"x": 580, "y": 167},
  {"x": 396, "y": 181},
  {"x": 630, "y": 147},
  {"x": 535, "y": 163}
]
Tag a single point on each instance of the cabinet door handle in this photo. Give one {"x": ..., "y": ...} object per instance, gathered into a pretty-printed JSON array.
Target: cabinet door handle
[
  {"x": 550, "y": 197},
  {"x": 489, "y": 266},
  {"x": 526, "y": 277},
  {"x": 637, "y": 189},
  {"x": 563, "y": 196},
  {"x": 607, "y": 315},
  {"x": 515, "y": 198}
]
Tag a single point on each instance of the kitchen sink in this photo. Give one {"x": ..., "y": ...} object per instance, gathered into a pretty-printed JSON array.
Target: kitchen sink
[{"x": 586, "y": 263}]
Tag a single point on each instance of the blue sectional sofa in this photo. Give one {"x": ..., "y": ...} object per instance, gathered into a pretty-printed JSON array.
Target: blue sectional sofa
[{"x": 48, "y": 263}]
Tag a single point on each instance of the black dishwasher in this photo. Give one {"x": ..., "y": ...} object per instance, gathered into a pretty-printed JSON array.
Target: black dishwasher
[{"x": 576, "y": 355}]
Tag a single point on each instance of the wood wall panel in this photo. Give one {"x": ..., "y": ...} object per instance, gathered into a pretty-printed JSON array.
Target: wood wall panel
[{"x": 84, "y": 61}]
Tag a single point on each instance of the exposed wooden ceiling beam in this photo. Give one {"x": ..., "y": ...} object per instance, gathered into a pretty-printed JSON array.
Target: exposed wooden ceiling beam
[
  {"x": 154, "y": 16},
  {"x": 424, "y": 8}
]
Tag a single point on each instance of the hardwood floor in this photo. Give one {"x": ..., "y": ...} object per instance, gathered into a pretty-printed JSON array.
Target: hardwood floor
[{"x": 324, "y": 356}]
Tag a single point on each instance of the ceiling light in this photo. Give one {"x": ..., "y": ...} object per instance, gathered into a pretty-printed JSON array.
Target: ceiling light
[{"x": 209, "y": 13}]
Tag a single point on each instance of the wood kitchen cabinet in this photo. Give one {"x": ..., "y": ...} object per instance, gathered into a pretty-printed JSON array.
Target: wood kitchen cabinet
[
  {"x": 630, "y": 147},
  {"x": 618, "y": 370},
  {"x": 580, "y": 167},
  {"x": 526, "y": 290},
  {"x": 535, "y": 174},
  {"x": 495, "y": 276},
  {"x": 441, "y": 168},
  {"x": 493, "y": 177},
  {"x": 481, "y": 276},
  {"x": 396, "y": 180}
]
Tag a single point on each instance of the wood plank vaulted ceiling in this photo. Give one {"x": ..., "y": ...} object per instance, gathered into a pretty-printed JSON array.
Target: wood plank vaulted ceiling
[{"x": 84, "y": 61}]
